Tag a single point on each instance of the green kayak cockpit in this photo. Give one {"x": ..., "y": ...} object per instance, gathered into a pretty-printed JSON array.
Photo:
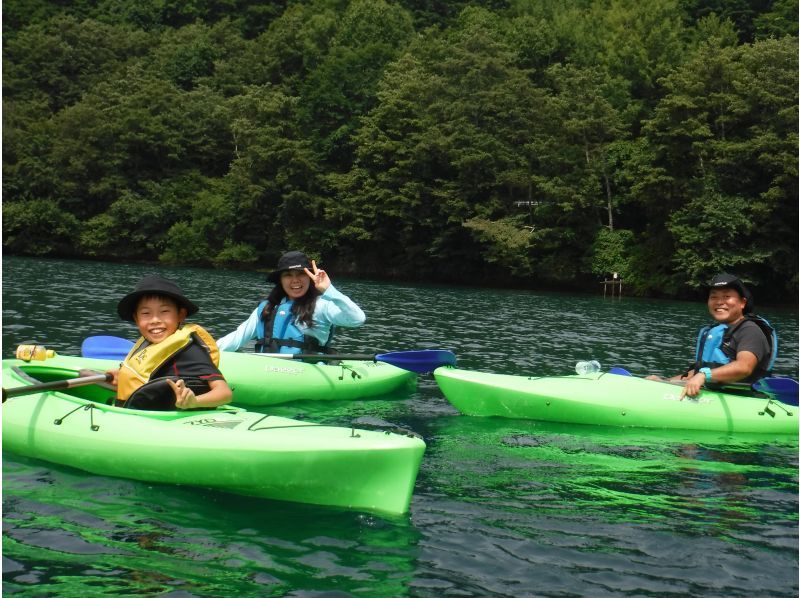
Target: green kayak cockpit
[
  {"x": 153, "y": 396},
  {"x": 41, "y": 373}
]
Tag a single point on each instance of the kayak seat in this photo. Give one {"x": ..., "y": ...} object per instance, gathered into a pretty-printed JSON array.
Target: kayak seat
[{"x": 156, "y": 395}]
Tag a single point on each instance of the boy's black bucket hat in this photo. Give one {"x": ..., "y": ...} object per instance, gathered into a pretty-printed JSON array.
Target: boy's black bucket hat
[{"x": 153, "y": 285}]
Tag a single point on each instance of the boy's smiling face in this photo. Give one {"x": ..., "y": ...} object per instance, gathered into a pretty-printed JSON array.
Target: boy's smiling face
[{"x": 158, "y": 317}]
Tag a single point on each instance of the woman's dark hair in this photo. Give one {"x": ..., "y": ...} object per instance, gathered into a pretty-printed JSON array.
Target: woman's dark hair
[{"x": 302, "y": 308}]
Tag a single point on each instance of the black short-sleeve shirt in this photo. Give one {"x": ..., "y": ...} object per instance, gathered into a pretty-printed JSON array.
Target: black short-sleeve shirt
[
  {"x": 749, "y": 337},
  {"x": 193, "y": 364}
]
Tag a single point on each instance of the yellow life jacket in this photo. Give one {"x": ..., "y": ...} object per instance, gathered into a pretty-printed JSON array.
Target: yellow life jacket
[{"x": 141, "y": 362}]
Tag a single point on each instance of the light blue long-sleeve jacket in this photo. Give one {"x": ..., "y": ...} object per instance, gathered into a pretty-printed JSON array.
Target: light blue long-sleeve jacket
[{"x": 332, "y": 308}]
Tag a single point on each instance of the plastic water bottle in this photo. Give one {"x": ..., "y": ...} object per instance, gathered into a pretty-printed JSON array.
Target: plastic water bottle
[
  {"x": 587, "y": 367},
  {"x": 35, "y": 352}
]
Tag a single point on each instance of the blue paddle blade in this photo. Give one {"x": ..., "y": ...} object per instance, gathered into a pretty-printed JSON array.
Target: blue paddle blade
[
  {"x": 106, "y": 347},
  {"x": 421, "y": 362},
  {"x": 783, "y": 389},
  {"x": 619, "y": 371}
]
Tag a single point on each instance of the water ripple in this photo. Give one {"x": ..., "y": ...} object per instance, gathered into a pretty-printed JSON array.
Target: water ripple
[{"x": 501, "y": 507}]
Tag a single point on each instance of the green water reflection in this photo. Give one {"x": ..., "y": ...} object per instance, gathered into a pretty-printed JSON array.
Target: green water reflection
[
  {"x": 703, "y": 483},
  {"x": 85, "y": 532}
]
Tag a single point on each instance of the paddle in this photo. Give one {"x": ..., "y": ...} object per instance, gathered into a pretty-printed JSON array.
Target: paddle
[
  {"x": 619, "y": 371},
  {"x": 56, "y": 385},
  {"x": 784, "y": 389},
  {"x": 106, "y": 347},
  {"x": 420, "y": 361}
]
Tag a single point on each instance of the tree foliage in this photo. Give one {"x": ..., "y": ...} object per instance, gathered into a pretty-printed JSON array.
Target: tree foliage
[{"x": 551, "y": 142}]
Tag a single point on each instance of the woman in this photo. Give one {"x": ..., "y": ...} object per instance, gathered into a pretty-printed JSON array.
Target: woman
[{"x": 300, "y": 313}]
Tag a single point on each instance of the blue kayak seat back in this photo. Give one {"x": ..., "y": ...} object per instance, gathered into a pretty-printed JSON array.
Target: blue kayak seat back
[{"x": 772, "y": 338}]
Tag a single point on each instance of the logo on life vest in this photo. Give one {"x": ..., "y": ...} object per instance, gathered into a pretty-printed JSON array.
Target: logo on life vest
[{"x": 141, "y": 356}]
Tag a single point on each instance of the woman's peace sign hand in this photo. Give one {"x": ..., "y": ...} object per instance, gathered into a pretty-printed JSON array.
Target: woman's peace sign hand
[{"x": 318, "y": 277}]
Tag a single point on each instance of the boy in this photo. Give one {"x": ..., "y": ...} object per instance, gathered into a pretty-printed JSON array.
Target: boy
[{"x": 184, "y": 357}]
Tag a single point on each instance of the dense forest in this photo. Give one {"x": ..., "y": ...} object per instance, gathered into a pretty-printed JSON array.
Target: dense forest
[{"x": 537, "y": 143}]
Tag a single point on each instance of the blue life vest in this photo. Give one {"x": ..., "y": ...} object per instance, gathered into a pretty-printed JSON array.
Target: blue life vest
[
  {"x": 276, "y": 332},
  {"x": 714, "y": 344},
  {"x": 709, "y": 346}
]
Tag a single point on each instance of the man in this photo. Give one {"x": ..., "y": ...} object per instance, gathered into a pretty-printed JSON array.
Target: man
[{"x": 736, "y": 349}]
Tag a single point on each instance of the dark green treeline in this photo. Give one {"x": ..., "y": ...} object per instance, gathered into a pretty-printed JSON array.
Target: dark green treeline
[{"x": 524, "y": 142}]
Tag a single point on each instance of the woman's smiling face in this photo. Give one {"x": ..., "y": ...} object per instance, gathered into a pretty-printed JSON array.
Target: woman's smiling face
[{"x": 295, "y": 283}]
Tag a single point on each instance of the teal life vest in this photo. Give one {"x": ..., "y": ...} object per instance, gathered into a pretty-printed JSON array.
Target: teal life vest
[
  {"x": 714, "y": 349},
  {"x": 709, "y": 351},
  {"x": 276, "y": 332}
]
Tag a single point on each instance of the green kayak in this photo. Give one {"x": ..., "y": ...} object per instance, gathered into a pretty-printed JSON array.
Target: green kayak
[
  {"x": 258, "y": 380},
  {"x": 611, "y": 400},
  {"x": 227, "y": 449}
]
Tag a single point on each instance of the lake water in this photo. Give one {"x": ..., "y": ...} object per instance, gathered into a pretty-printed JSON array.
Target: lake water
[{"x": 500, "y": 508}]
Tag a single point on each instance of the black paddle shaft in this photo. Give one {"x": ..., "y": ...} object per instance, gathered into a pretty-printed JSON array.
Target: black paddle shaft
[{"x": 55, "y": 385}]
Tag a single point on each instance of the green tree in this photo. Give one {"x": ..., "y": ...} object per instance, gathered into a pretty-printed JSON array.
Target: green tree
[
  {"x": 778, "y": 21},
  {"x": 38, "y": 227},
  {"x": 134, "y": 129},
  {"x": 589, "y": 124},
  {"x": 549, "y": 141},
  {"x": 202, "y": 234},
  {"x": 342, "y": 87},
  {"x": 273, "y": 179},
  {"x": 132, "y": 226},
  {"x": 743, "y": 14},
  {"x": 28, "y": 133},
  {"x": 441, "y": 148},
  {"x": 636, "y": 42},
  {"x": 63, "y": 58},
  {"x": 724, "y": 140},
  {"x": 611, "y": 253},
  {"x": 293, "y": 46},
  {"x": 200, "y": 55}
]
